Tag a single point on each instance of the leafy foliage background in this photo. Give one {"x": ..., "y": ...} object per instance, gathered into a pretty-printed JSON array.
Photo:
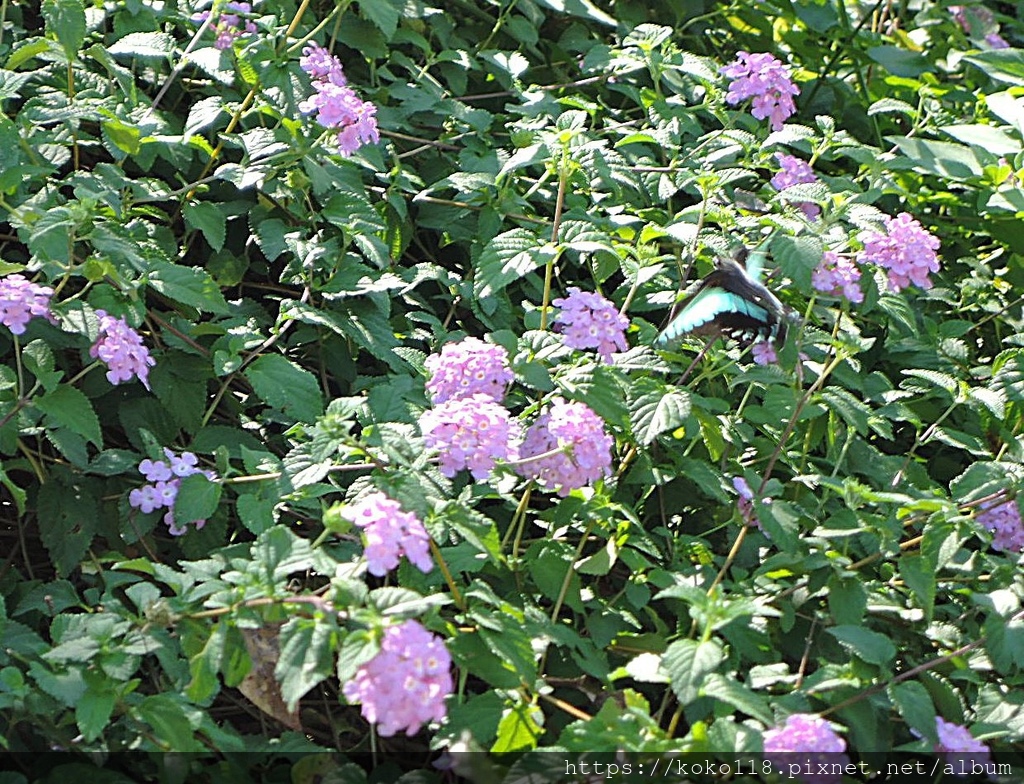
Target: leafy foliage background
[{"x": 290, "y": 298}]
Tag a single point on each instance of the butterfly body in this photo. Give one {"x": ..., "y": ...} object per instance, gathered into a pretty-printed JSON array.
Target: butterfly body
[{"x": 730, "y": 301}]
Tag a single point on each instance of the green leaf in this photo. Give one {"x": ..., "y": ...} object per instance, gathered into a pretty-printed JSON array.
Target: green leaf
[
  {"x": 1007, "y": 107},
  {"x": 270, "y": 236},
  {"x": 65, "y": 21},
  {"x": 67, "y": 686},
  {"x": 202, "y": 114},
  {"x": 144, "y": 46},
  {"x": 552, "y": 565},
  {"x": 50, "y": 236},
  {"x": 474, "y": 655},
  {"x": 401, "y": 602},
  {"x": 987, "y": 137},
  {"x": 92, "y": 711},
  {"x": 955, "y": 162},
  {"x": 507, "y": 258},
  {"x": 478, "y": 716},
  {"x": 286, "y": 386},
  {"x": 476, "y": 528},
  {"x": 71, "y": 445},
  {"x": 209, "y": 219},
  {"x": 688, "y": 663},
  {"x": 899, "y": 61},
  {"x": 942, "y": 380},
  {"x": 853, "y": 411},
  {"x": 256, "y": 514},
  {"x": 519, "y": 729},
  {"x": 1004, "y": 643},
  {"x": 915, "y": 706},
  {"x": 356, "y": 649},
  {"x": 205, "y": 665},
  {"x": 306, "y": 659},
  {"x": 171, "y": 728},
  {"x": 360, "y": 320},
  {"x": 188, "y": 285},
  {"x": 581, "y": 8},
  {"x": 383, "y": 13},
  {"x": 197, "y": 499},
  {"x": 891, "y": 106},
  {"x": 847, "y": 600},
  {"x": 982, "y": 479},
  {"x": 993, "y": 400},
  {"x": 279, "y": 553},
  {"x": 124, "y": 136},
  {"x": 918, "y": 572},
  {"x": 67, "y": 407},
  {"x": 781, "y": 521},
  {"x": 797, "y": 257},
  {"x": 513, "y": 646},
  {"x": 67, "y": 522},
  {"x": 870, "y": 646},
  {"x": 1004, "y": 65},
  {"x": 732, "y": 692},
  {"x": 657, "y": 409},
  {"x": 29, "y": 49}
]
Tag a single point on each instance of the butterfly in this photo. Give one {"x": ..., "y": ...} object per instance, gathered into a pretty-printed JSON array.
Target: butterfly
[{"x": 731, "y": 301}]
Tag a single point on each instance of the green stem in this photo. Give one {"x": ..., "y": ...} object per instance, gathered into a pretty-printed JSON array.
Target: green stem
[
  {"x": 563, "y": 178},
  {"x": 460, "y": 602}
]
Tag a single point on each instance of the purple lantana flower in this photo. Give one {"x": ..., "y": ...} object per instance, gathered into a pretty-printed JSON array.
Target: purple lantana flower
[
  {"x": 566, "y": 448},
  {"x": 405, "y": 685},
  {"x": 471, "y": 432},
  {"x": 164, "y": 477},
  {"x": 765, "y": 79},
  {"x": 467, "y": 368},
  {"x": 336, "y": 105},
  {"x": 838, "y": 276},
  {"x": 121, "y": 348},
  {"x": 906, "y": 250},
  {"x": 21, "y": 300},
  {"x": 389, "y": 533},
  {"x": 1004, "y": 522},
  {"x": 794, "y": 171},
  {"x": 587, "y": 320}
]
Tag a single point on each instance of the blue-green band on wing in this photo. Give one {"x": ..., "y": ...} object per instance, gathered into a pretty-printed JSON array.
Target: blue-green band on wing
[
  {"x": 730, "y": 301},
  {"x": 713, "y": 311}
]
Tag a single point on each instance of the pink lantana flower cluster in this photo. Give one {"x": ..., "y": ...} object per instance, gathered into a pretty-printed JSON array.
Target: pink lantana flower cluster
[
  {"x": 120, "y": 347},
  {"x": 165, "y": 479},
  {"x": 336, "y": 105},
  {"x": 230, "y": 24},
  {"x": 566, "y": 448},
  {"x": 794, "y": 171},
  {"x": 405, "y": 685},
  {"x": 906, "y": 250},
  {"x": 467, "y": 368},
  {"x": 471, "y": 432},
  {"x": 21, "y": 300},
  {"x": 765, "y": 79},
  {"x": 806, "y": 739},
  {"x": 957, "y": 744},
  {"x": 838, "y": 276},
  {"x": 468, "y": 425},
  {"x": 389, "y": 533},
  {"x": 587, "y": 320},
  {"x": 1004, "y": 522}
]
